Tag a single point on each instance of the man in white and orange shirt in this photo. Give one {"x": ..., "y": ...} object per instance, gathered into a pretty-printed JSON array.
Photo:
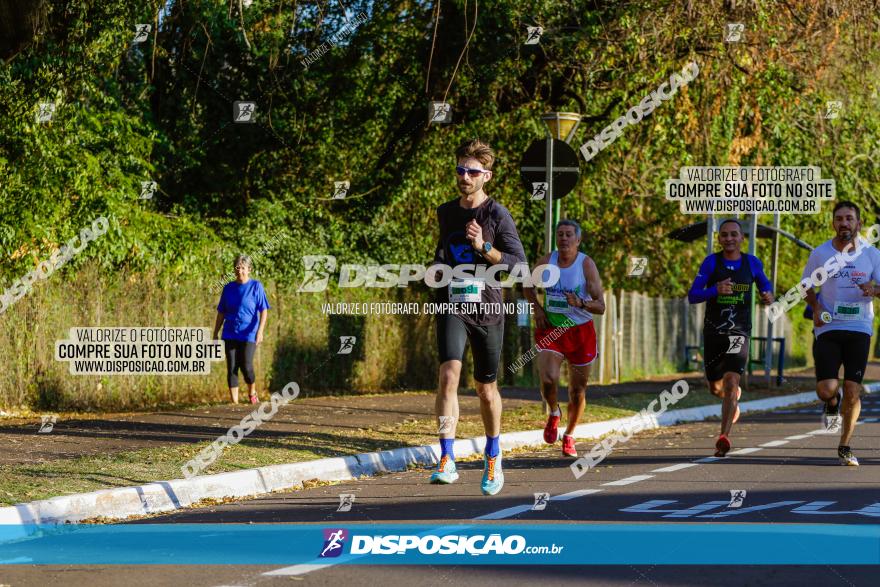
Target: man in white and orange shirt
[{"x": 565, "y": 329}]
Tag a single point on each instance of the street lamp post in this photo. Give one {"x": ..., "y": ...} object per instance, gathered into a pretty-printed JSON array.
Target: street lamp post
[{"x": 560, "y": 126}]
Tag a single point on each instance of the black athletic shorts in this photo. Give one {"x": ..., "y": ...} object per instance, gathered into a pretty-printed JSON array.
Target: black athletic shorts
[
  {"x": 453, "y": 333},
  {"x": 724, "y": 353},
  {"x": 834, "y": 348}
]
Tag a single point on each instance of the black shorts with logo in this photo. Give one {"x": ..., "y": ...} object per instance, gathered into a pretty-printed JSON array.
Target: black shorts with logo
[
  {"x": 453, "y": 333},
  {"x": 834, "y": 348},
  {"x": 724, "y": 353}
]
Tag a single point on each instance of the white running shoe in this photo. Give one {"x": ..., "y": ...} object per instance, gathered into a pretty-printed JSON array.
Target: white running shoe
[{"x": 847, "y": 457}]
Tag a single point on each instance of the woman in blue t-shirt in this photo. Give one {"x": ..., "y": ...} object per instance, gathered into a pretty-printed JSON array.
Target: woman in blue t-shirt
[{"x": 242, "y": 311}]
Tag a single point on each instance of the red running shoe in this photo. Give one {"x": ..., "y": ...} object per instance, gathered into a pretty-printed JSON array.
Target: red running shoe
[
  {"x": 551, "y": 430},
  {"x": 722, "y": 445},
  {"x": 568, "y": 448}
]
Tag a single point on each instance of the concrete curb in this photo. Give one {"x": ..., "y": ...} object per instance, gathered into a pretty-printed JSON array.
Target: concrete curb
[{"x": 168, "y": 496}]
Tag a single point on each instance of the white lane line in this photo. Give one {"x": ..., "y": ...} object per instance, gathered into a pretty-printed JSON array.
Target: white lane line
[
  {"x": 295, "y": 570},
  {"x": 744, "y": 451},
  {"x": 505, "y": 513},
  {"x": 628, "y": 480},
  {"x": 518, "y": 509},
  {"x": 574, "y": 494},
  {"x": 673, "y": 468},
  {"x": 818, "y": 431},
  {"x": 303, "y": 569}
]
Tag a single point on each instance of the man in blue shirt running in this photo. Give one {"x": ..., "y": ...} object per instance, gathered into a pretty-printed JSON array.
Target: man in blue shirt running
[{"x": 725, "y": 284}]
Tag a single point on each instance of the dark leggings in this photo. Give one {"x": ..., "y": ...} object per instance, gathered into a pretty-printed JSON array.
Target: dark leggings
[{"x": 240, "y": 355}]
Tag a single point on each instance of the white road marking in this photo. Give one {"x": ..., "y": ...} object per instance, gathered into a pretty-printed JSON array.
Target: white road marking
[
  {"x": 673, "y": 468},
  {"x": 295, "y": 570},
  {"x": 773, "y": 443},
  {"x": 744, "y": 451},
  {"x": 628, "y": 480},
  {"x": 574, "y": 494},
  {"x": 518, "y": 509},
  {"x": 302, "y": 569},
  {"x": 505, "y": 513}
]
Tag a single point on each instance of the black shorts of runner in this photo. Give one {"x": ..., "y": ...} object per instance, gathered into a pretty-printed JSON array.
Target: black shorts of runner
[
  {"x": 452, "y": 336},
  {"x": 724, "y": 353},
  {"x": 834, "y": 348}
]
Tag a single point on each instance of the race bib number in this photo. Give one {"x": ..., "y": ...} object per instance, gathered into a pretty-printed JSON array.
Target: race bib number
[
  {"x": 557, "y": 303},
  {"x": 466, "y": 291},
  {"x": 849, "y": 311}
]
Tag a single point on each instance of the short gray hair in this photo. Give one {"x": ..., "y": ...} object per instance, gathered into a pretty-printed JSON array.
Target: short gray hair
[
  {"x": 243, "y": 259},
  {"x": 572, "y": 223}
]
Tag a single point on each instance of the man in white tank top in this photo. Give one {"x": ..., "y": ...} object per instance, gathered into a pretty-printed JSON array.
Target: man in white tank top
[{"x": 565, "y": 331}]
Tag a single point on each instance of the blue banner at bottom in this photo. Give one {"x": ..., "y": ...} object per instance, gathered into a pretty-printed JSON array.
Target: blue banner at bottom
[{"x": 416, "y": 544}]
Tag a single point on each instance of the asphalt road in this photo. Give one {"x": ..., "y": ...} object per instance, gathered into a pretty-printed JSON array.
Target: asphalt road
[{"x": 782, "y": 461}]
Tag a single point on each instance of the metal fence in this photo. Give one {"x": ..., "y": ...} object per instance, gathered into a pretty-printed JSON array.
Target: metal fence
[{"x": 640, "y": 336}]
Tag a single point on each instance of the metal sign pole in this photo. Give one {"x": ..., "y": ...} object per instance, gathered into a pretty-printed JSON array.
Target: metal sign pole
[
  {"x": 768, "y": 355},
  {"x": 710, "y": 234},
  {"x": 753, "y": 248},
  {"x": 548, "y": 234}
]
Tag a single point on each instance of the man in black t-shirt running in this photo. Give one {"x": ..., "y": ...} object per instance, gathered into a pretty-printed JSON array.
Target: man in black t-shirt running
[{"x": 474, "y": 230}]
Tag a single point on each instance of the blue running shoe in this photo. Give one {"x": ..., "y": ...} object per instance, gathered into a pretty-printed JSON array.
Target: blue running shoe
[
  {"x": 493, "y": 476},
  {"x": 446, "y": 472}
]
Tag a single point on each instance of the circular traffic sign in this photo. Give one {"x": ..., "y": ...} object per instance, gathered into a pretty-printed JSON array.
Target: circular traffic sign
[{"x": 565, "y": 169}]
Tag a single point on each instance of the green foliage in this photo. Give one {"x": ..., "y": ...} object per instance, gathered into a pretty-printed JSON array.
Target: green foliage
[{"x": 161, "y": 110}]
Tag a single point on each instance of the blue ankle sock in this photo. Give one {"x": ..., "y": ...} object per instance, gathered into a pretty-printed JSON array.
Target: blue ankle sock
[
  {"x": 492, "y": 448},
  {"x": 446, "y": 448}
]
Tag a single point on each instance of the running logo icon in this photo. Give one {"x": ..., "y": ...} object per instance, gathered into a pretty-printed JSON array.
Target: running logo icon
[
  {"x": 340, "y": 189},
  {"x": 243, "y": 112},
  {"x": 318, "y": 270},
  {"x": 737, "y": 496},
  {"x": 346, "y": 500},
  {"x": 148, "y": 188},
  {"x": 447, "y": 423},
  {"x": 736, "y": 344},
  {"x": 733, "y": 32},
  {"x": 333, "y": 542},
  {"x": 541, "y": 500},
  {"x": 440, "y": 112},
  {"x": 47, "y": 424},
  {"x": 534, "y": 37},
  {"x": 539, "y": 190},
  {"x": 637, "y": 266},
  {"x": 45, "y": 111},
  {"x": 346, "y": 345},
  {"x": 141, "y": 32},
  {"x": 728, "y": 314},
  {"x": 832, "y": 109}
]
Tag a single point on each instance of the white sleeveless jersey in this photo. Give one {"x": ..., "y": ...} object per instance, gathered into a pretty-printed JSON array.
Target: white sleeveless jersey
[{"x": 571, "y": 279}]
